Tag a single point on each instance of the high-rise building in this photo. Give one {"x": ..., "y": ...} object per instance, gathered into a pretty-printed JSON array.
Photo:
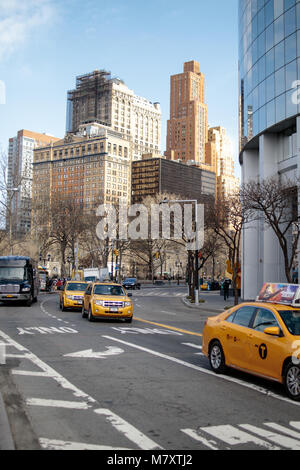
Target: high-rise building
[
  {"x": 19, "y": 178},
  {"x": 105, "y": 100},
  {"x": 187, "y": 126},
  {"x": 220, "y": 155},
  {"x": 151, "y": 176},
  {"x": 269, "y": 120},
  {"x": 92, "y": 167}
]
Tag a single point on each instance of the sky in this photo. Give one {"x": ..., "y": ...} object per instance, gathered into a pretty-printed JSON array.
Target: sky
[{"x": 45, "y": 44}]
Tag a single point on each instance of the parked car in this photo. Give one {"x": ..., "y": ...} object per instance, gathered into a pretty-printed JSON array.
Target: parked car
[
  {"x": 131, "y": 283},
  {"x": 213, "y": 285}
]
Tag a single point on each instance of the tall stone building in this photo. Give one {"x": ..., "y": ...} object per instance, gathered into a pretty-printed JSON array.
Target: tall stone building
[
  {"x": 19, "y": 178},
  {"x": 187, "y": 126},
  {"x": 105, "y": 100},
  {"x": 219, "y": 153},
  {"x": 92, "y": 166}
]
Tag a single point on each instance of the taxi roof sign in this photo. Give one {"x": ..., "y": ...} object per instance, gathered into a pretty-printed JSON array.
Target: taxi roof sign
[{"x": 287, "y": 294}]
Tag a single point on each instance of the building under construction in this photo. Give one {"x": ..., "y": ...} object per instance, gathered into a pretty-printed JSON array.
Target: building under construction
[{"x": 90, "y": 101}]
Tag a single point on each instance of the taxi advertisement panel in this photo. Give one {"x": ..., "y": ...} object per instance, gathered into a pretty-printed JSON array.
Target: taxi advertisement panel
[{"x": 287, "y": 294}]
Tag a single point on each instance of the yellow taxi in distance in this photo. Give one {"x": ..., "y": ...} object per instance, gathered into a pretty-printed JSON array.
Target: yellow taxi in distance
[
  {"x": 72, "y": 295},
  {"x": 107, "y": 300},
  {"x": 261, "y": 338}
]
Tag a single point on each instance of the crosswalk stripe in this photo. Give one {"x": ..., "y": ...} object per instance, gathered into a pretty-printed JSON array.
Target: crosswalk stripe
[{"x": 279, "y": 439}]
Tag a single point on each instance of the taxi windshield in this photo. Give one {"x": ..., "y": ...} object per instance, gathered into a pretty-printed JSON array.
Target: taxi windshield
[
  {"x": 108, "y": 290},
  {"x": 76, "y": 286},
  {"x": 291, "y": 320}
]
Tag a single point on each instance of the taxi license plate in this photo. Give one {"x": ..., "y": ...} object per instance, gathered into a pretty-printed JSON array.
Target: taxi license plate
[{"x": 114, "y": 310}]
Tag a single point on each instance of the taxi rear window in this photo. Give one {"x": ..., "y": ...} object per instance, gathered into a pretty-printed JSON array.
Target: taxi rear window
[{"x": 291, "y": 319}]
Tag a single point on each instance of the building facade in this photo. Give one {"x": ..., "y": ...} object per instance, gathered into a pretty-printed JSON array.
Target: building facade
[
  {"x": 19, "y": 178},
  {"x": 91, "y": 167},
  {"x": 269, "y": 122},
  {"x": 187, "y": 126},
  {"x": 220, "y": 156},
  {"x": 108, "y": 101},
  {"x": 152, "y": 176}
]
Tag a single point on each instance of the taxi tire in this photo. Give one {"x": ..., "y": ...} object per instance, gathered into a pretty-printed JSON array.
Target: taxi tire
[
  {"x": 128, "y": 320},
  {"x": 83, "y": 312},
  {"x": 216, "y": 357},
  {"x": 288, "y": 376},
  {"x": 90, "y": 315}
]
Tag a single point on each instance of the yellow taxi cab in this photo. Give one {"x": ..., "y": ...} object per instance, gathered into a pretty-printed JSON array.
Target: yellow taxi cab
[
  {"x": 107, "y": 300},
  {"x": 261, "y": 337},
  {"x": 72, "y": 295}
]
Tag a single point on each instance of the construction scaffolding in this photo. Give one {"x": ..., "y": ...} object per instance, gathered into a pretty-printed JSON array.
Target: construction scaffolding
[{"x": 90, "y": 101}]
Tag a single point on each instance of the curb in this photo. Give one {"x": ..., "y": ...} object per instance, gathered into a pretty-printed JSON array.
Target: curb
[
  {"x": 201, "y": 306},
  {"x": 6, "y": 439}
]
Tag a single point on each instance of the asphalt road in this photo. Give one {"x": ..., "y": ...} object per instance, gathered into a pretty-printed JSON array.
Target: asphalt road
[{"x": 146, "y": 385}]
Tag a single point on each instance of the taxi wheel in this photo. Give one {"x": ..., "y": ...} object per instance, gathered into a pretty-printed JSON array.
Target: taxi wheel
[
  {"x": 292, "y": 381},
  {"x": 216, "y": 357},
  {"x": 128, "y": 320},
  {"x": 83, "y": 312},
  {"x": 90, "y": 315},
  {"x": 63, "y": 306}
]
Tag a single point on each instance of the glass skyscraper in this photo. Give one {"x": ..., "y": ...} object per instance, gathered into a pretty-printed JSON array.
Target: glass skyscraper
[{"x": 269, "y": 109}]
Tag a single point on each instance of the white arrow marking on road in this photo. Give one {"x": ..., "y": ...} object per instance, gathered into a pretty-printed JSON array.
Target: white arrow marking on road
[{"x": 89, "y": 353}]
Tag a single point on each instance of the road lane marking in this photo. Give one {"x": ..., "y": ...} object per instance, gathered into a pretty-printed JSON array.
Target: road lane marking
[
  {"x": 57, "y": 403},
  {"x": 195, "y": 435},
  {"x": 234, "y": 436},
  {"x": 283, "y": 429},
  {"x": 89, "y": 353},
  {"x": 29, "y": 373},
  {"x": 278, "y": 439},
  {"x": 117, "y": 422},
  {"x": 168, "y": 327},
  {"x": 54, "y": 444},
  {"x": 256, "y": 388},
  {"x": 128, "y": 430},
  {"x": 193, "y": 345}
]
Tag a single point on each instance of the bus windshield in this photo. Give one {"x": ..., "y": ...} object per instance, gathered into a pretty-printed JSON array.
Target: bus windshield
[{"x": 10, "y": 273}]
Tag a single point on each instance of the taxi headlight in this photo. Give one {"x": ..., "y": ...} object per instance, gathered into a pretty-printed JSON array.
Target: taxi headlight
[
  {"x": 127, "y": 304},
  {"x": 99, "y": 302},
  {"x": 69, "y": 297}
]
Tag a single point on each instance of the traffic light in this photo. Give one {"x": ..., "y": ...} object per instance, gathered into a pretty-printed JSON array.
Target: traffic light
[
  {"x": 156, "y": 255},
  {"x": 116, "y": 252}
]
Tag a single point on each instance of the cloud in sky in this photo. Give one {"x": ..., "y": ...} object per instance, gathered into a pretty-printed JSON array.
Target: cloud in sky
[{"x": 18, "y": 19}]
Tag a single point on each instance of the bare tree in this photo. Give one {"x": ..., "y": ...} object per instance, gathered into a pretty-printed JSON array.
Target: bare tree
[
  {"x": 226, "y": 217},
  {"x": 275, "y": 201},
  {"x": 59, "y": 221}
]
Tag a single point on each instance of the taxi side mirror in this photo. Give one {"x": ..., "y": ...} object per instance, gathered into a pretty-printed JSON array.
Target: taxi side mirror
[
  {"x": 129, "y": 294},
  {"x": 273, "y": 331}
]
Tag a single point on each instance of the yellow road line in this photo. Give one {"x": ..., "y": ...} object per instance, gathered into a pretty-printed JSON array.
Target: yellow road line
[{"x": 168, "y": 327}]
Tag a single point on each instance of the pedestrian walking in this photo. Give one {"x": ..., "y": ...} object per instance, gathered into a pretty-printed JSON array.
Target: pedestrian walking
[{"x": 226, "y": 289}]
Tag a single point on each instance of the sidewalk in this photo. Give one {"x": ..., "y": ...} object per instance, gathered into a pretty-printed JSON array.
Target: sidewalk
[
  {"x": 213, "y": 302},
  {"x": 6, "y": 439}
]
